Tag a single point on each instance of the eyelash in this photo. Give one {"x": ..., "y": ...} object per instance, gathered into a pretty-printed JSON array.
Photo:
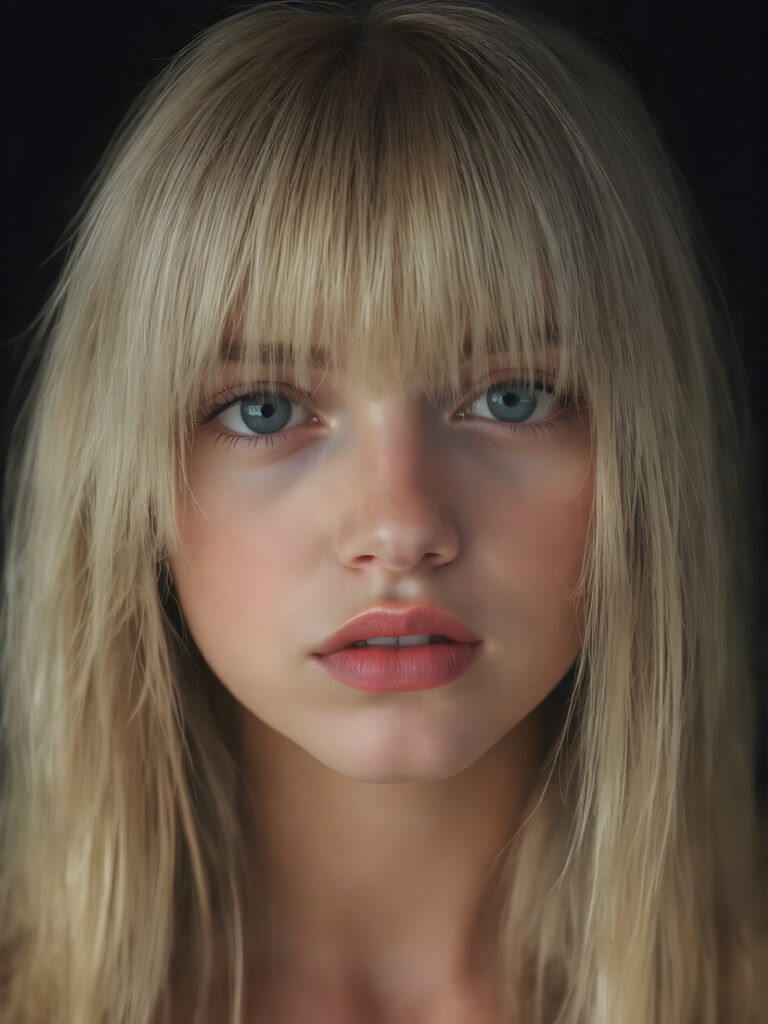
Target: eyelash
[{"x": 568, "y": 403}]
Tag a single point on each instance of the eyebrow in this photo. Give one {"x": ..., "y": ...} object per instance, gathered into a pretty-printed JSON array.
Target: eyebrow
[{"x": 232, "y": 351}]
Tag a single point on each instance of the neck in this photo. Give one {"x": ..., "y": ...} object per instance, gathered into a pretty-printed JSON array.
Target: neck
[{"x": 389, "y": 887}]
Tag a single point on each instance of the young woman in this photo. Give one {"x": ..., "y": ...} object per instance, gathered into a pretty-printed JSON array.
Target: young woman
[{"x": 385, "y": 324}]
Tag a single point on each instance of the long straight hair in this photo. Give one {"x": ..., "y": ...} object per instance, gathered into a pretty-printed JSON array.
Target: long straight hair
[{"x": 432, "y": 180}]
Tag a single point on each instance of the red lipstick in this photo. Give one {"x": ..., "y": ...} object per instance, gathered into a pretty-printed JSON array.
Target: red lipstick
[{"x": 444, "y": 649}]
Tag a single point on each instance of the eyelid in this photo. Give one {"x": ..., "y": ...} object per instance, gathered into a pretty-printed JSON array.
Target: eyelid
[
  {"x": 507, "y": 376},
  {"x": 541, "y": 380},
  {"x": 217, "y": 403}
]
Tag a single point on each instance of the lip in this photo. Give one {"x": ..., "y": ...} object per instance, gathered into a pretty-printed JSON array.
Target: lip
[
  {"x": 404, "y": 669},
  {"x": 395, "y": 620}
]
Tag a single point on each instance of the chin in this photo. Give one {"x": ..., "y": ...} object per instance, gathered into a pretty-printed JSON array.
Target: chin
[{"x": 379, "y": 754}]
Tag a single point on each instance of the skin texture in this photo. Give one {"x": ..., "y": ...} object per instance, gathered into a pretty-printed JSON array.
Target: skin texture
[{"x": 384, "y": 813}]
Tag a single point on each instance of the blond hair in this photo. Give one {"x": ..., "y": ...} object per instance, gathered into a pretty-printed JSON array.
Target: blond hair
[{"x": 418, "y": 177}]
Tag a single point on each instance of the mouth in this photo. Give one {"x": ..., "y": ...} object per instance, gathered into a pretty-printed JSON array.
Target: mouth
[
  {"x": 399, "y": 626},
  {"x": 400, "y": 641}
]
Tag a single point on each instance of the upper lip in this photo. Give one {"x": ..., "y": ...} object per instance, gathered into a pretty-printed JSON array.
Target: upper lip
[{"x": 396, "y": 620}]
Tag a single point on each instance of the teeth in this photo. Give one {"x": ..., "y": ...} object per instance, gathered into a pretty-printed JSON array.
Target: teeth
[{"x": 401, "y": 641}]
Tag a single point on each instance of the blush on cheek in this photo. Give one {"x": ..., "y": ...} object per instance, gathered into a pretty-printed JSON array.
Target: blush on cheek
[{"x": 235, "y": 571}]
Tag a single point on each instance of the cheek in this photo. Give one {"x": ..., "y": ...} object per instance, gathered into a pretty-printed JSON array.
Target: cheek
[
  {"x": 542, "y": 524},
  {"x": 237, "y": 563}
]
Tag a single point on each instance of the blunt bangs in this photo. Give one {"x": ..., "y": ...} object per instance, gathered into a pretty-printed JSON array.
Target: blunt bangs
[{"x": 384, "y": 203}]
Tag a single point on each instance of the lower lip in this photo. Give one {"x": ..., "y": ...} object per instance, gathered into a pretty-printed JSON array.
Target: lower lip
[{"x": 399, "y": 669}]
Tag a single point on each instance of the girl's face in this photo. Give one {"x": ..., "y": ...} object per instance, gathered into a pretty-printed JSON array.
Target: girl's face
[{"x": 304, "y": 513}]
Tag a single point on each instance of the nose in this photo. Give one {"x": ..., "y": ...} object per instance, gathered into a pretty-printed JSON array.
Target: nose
[{"x": 393, "y": 509}]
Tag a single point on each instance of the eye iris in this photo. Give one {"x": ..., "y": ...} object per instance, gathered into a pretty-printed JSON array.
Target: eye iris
[
  {"x": 261, "y": 412},
  {"x": 516, "y": 403}
]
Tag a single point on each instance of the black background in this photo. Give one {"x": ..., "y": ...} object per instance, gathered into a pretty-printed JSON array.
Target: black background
[{"x": 70, "y": 70}]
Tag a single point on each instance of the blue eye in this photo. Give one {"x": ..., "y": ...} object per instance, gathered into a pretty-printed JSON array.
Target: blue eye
[
  {"x": 515, "y": 403},
  {"x": 266, "y": 415}
]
